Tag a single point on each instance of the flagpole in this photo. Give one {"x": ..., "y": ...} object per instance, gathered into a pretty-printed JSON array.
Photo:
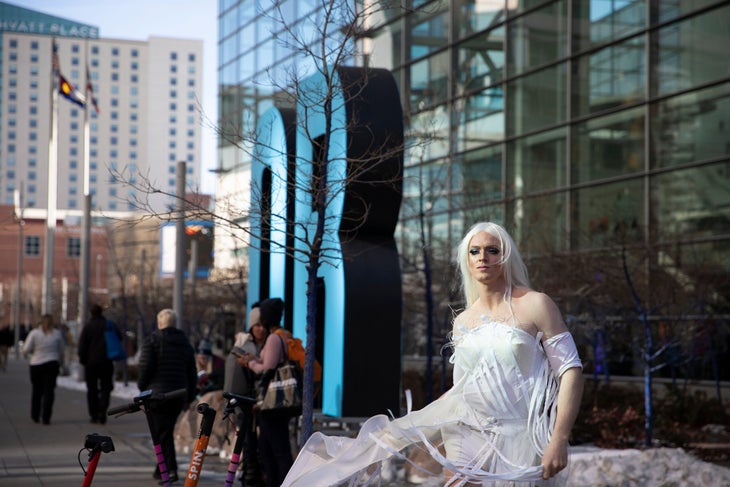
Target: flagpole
[
  {"x": 86, "y": 225},
  {"x": 47, "y": 289}
]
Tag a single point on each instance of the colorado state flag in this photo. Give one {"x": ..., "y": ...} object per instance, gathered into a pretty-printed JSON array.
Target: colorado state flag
[{"x": 70, "y": 92}]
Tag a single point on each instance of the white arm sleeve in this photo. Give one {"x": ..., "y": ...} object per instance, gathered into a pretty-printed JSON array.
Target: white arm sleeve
[{"x": 562, "y": 353}]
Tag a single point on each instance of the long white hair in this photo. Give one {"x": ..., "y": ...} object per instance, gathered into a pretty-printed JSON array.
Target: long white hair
[{"x": 513, "y": 268}]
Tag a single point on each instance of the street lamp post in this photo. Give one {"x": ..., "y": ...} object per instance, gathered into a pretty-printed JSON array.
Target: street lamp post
[{"x": 19, "y": 292}]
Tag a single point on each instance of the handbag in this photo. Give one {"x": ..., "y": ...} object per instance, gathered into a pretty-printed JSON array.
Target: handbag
[
  {"x": 114, "y": 349},
  {"x": 281, "y": 391}
]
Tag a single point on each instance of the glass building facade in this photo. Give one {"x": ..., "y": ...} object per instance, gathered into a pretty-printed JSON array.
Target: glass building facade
[{"x": 585, "y": 127}]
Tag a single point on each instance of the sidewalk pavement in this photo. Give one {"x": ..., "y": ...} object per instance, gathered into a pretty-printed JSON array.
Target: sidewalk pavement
[{"x": 48, "y": 455}]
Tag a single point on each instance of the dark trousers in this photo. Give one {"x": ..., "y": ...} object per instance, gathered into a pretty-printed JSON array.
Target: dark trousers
[
  {"x": 250, "y": 461},
  {"x": 162, "y": 420},
  {"x": 275, "y": 448},
  {"x": 43, "y": 379},
  {"x": 99, "y": 385}
]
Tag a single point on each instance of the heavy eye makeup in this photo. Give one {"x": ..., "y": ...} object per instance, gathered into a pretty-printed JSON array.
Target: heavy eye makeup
[{"x": 490, "y": 250}]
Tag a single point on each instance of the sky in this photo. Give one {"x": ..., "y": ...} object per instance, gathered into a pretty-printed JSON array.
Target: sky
[{"x": 141, "y": 19}]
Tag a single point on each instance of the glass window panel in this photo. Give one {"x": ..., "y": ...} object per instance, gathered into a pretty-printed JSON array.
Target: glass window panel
[
  {"x": 247, "y": 65},
  {"x": 378, "y": 14},
  {"x": 692, "y": 52},
  {"x": 429, "y": 29},
  {"x": 536, "y": 163},
  {"x": 429, "y": 131},
  {"x": 264, "y": 55},
  {"x": 692, "y": 203},
  {"x": 599, "y": 21},
  {"x": 385, "y": 48},
  {"x": 538, "y": 224},
  {"x": 247, "y": 38},
  {"x": 426, "y": 186},
  {"x": 228, "y": 49},
  {"x": 224, "y": 5},
  {"x": 429, "y": 81},
  {"x": 610, "y": 78},
  {"x": 227, "y": 24},
  {"x": 608, "y": 146},
  {"x": 481, "y": 118},
  {"x": 477, "y": 176},
  {"x": 608, "y": 214},
  {"x": 477, "y": 15},
  {"x": 537, "y": 38},
  {"x": 481, "y": 61},
  {"x": 463, "y": 218},
  {"x": 519, "y": 6},
  {"x": 305, "y": 7},
  {"x": 670, "y": 9},
  {"x": 711, "y": 257},
  {"x": 537, "y": 100},
  {"x": 691, "y": 127}
]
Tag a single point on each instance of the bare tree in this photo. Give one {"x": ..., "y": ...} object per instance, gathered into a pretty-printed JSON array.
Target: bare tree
[{"x": 355, "y": 164}]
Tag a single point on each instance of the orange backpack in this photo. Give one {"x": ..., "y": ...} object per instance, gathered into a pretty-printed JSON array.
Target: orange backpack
[{"x": 295, "y": 351}]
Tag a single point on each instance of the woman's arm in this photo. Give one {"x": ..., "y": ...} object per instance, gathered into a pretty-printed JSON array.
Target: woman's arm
[
  {"x": 563, "y": 358},
  {"x": 29, "y": 344},
  {"x": 555, "y": 457},
  {"x": 270, "y": 355}
]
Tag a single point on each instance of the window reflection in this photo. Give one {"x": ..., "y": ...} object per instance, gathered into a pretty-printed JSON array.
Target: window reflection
[
  {"x": 481, "y": 61},
  {"x": 609, "y": 78},
  {"x": 477, "y": 176},
  {"x": 429, "y": 81},
  {"x": 608, "y": 146},
  {"x": 537, "y": 100},
  {"x": 430, "y": 30},
  {"x": 480, "y": 118},
  {"x": 537, "y": 38},
  {"x": 538, "y": 223},
  {"x": 608, "y": 214},
  {"x": 536, "y": 163},
  {"x": 692, "y": 203},
  {"x": 430, "y": 133},
  {"x": 692, "y": 52},
  {"x": 425, "y": 188},
  {"x": 691, "y": 127},
  {"x": 599, "y": 21},
  {"x": 477, "y": 15}
]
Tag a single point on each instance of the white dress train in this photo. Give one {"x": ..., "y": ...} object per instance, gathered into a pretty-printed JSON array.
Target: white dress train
[{"x": 493, "y": 424}]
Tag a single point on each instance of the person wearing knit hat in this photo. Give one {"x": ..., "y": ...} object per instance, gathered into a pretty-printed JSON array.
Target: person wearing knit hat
[
  {"x": 210, "y": 368},
  {"x": 273, "y": 441},
  {"x": 242, "y": 381},
  {"x": 272, "y": 309}
]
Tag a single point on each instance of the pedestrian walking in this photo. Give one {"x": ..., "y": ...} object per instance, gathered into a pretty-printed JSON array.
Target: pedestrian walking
[
  {"x": 44, "y": 347},
  {"x": 98, "y": 367},
  {"x": 167, "y": 363}
]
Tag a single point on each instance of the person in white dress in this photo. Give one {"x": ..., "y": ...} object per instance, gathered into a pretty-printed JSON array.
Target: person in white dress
[{"x": 517, "y": 389}]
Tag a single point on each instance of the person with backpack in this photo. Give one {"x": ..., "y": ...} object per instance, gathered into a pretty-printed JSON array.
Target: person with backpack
[
  {"x": 98, "y": 367},
  {"x": 273, "y": 441}
]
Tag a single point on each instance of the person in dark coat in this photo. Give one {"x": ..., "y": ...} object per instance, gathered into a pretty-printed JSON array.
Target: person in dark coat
[
  {"x": 167, "y": 363},
  {"x": 98, "y": 368}
]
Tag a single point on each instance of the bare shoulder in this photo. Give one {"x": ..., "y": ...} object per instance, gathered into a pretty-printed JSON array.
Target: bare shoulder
[
  {"x": 468, "y": 317},
  {"x": 538, "y": 309}
]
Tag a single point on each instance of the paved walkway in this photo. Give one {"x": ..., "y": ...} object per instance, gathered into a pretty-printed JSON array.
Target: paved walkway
[{"x": 48, "y": 455}]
